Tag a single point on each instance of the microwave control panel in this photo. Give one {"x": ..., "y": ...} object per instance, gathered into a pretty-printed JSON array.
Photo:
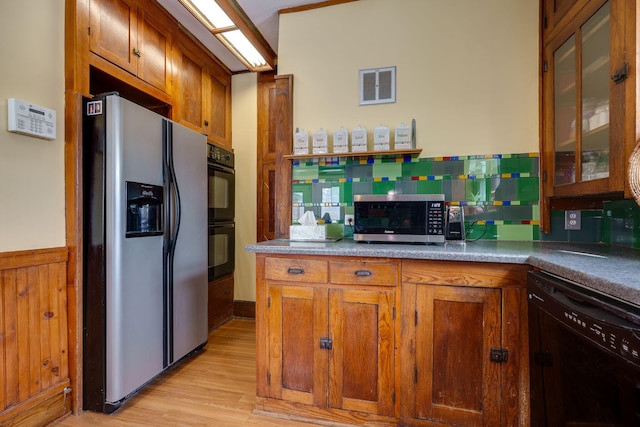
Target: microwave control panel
[
  {"x": 30, "y": 119},
  {"x": 435, "y": 218}
]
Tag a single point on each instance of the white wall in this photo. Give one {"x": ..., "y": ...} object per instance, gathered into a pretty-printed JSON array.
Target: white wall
[
  {"x": 467, "y": 70},
  {"x": 245, "y": 135},
  {"x": 32, "y": 211}
]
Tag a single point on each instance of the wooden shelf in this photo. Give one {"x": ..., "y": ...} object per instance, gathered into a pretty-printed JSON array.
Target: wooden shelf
[
  {"x": 571, "y": 143},
  {"x": 412, "y": 152}
]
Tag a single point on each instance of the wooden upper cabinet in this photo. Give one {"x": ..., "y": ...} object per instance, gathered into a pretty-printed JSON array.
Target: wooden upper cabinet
[
  {"x": 589, "y": 99},
  {"x": 553, "y": 11},
  {"x": 113, "y": 31},
  {"x": 133, "y": 36},
  {"x": 218, "y": 114},
  {"x": 203, "y": 93},
  {"x": 189, "y": 88},
  {"x": 154, "y": 61}
]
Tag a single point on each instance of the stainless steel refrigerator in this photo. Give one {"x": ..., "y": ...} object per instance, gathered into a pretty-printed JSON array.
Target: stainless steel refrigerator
[{"x": 145, "y": 248}]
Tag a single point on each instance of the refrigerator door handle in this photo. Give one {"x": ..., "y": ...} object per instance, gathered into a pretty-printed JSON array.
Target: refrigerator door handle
[{"x": 172, "y": 227}]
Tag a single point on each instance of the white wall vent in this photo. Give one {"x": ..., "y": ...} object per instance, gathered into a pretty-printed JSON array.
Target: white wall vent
[{"x": 378, "y": 86}]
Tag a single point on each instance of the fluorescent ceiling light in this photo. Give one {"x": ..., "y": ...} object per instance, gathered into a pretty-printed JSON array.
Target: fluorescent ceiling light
[
  {"x": 213, "y": 13},
  {"x": 244, "y": 46},
  {"x": 234, "y": 34}
]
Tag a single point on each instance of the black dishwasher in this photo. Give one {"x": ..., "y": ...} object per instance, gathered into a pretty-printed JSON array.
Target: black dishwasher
[{"x": 584, "y": 349}]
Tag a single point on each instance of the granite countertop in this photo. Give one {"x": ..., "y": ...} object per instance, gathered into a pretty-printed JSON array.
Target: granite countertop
[{"x": 610, "y": 269}]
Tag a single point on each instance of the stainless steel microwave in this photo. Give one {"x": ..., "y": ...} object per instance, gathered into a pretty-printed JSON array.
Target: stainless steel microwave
[{"x": 408, "y": 218}]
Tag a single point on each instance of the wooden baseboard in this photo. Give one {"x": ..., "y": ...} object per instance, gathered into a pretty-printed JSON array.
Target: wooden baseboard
[
  {"x": 313, "y": 414},
  {"x": 41, "y": 409},
  {"x": 244, "y": 309}
]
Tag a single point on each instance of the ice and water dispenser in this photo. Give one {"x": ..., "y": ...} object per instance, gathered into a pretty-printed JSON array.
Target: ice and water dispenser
[{"x": 144, "y": 209}]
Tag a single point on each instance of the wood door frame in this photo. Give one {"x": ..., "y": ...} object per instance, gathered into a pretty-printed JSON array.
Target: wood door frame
[{"x": 284, "y": 143}]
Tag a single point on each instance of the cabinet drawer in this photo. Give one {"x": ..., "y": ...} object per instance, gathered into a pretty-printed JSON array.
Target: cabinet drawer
[
  {"x": 460, "y": 273},
  {"x": 381, "y": 273},
  {"x": 296, "y": 270}
]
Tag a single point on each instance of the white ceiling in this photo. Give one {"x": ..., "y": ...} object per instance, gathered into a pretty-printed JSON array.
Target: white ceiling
[{"x": 263, "y": 14}]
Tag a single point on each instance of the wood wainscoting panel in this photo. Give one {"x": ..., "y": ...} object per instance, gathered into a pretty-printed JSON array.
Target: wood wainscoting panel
[{"x": 34, "y": 356}]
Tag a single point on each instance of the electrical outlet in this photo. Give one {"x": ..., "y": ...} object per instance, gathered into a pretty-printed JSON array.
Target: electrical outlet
[
  {"x": 572, "y": 220},
  {"x": 348, "y": 220}
]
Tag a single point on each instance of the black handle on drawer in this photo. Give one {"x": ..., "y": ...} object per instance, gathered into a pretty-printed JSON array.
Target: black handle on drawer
[
  {"x": 295, "y": 270},
  {"x": 363, "y": 273}
]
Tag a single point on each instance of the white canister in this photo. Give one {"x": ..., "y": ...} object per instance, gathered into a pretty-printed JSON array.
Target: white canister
[
  {"x": 341, "y": 141},
  {"x": 359, "y": 139},
  {"x": 301, "y": 142},
  {"x": 402, "y": 137},
  {"x": 320, "y": 142},
  {"x": 381, "y": 138}
]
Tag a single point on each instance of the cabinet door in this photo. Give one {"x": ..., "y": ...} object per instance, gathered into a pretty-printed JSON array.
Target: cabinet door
[
  {"x": 581, "y": 99},
  {"x": 589, "y": 118},
  {"x": 189, "y": 91},
  {"x": 154, "y": 48},
  {"x": 553, "y": 11},
  {"x": 361, "y": 364},
  {"x": 297, "y": 322},
  {"x": 218, "y": 103},
  {"x": 114, "y": 31},
  {"x": 456, "y": 328}
]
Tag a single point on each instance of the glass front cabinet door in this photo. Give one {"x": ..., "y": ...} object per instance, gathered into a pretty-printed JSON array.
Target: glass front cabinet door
[{"x": 588, "y": 104}]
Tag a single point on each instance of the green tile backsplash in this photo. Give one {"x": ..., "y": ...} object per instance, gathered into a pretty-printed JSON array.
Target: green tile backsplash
[{"x": 500, "y": 192}]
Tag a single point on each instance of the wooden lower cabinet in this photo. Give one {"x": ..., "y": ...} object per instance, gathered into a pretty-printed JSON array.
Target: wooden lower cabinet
[
  {"x": 220, "y": 301},
  {"x": 464, "y": 344},
  {"x": 330, "y": 346}
]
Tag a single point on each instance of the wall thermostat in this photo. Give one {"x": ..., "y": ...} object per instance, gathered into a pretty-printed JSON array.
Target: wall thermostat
[{"x": 31, "y": 119}]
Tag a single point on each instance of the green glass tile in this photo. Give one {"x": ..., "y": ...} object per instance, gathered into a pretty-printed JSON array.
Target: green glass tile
[
  {"x": 478, "y": 190},
  {"x": 535, "y": 212},
  {"x": 606, "y": 230},
  {"x": 536, "y": 232},
  {"x": 331, "y": 172},
  {"x": 530, "y": 165},
  {"x": 429, "y": 187},
  {"x": 346, "y": 195},
  {"x": 480, "y": 232},
  {"x": 592, "y": 213},
  {"x": 528, "y": 188},
  {"x": 304, "y": 189},
  {"x": 515, "y": 232},
  {"x": 449, "y": 167},
  {"x": 391, "y": 170},
  {"x": 362, "y": 188},
  {"x": 383, "y": 187},
  {"x": 406, "y": 186},
  {"x": 506, "y": 189},
  {"x": 481, "y": 166},
  {"x": 509, "y": 165},
  {"x": 416, "y": 169},
  {"x": 302, "y": 173}
]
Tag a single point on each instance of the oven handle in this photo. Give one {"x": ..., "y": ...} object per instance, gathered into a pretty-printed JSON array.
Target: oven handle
[
  {"x": 219, "y": 168},
  {"x": 223, "y": 225}
]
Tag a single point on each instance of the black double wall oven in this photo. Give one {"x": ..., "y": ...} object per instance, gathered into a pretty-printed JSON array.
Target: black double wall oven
[{"x": 221, "y": 212}]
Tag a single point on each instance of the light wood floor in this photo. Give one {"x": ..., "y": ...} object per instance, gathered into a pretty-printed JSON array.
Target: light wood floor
[{"x": 216, "y": 388}]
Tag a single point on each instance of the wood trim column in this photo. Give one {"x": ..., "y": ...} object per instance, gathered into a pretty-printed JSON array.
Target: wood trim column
[{"x": 284, "y": 144}]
